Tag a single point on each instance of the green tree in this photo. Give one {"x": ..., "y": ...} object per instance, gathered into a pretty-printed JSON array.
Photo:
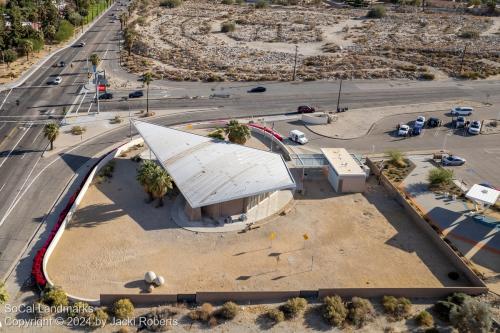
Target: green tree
[
  {"x": 439, "y": 176},
  {"x": 49, "y": 32},
  {"x": 161, "y": 183},
  {"x": 236, "y": 132},
  {"x": 145, "y": 176},
  {"x": 147, "y": 78},
  {"x": 51, "y": 132},
  {"x": 9, "y": 56},
  {"x": 65, "y": 31},
  {"x": 130, "y": 36},
  {"x": 26, "y": 46},
  {"x": 94, "y": 59}
]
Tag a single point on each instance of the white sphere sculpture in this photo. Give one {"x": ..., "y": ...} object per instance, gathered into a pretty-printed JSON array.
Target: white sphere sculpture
[
  {"x": 159, "y": 281},
  {"x": 151, "y": 288},
  {"x": 150, "y": 277}
]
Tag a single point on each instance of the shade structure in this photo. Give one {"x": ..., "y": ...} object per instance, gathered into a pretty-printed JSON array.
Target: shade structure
[{"x": 209, "y": 171}]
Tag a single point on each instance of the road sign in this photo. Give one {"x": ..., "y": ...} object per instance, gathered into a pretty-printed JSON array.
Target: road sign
[{"x": 102, "y": 87}]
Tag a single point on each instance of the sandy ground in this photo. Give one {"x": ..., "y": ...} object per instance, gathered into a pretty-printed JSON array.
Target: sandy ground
[
  {"x": 116, "y": 237},
  {"x": 21, "y": 65}
]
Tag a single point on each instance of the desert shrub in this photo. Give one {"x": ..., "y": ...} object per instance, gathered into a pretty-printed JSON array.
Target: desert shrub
[
  {"x": 99, "y": 318},
  {"x": 228, "y": 26},
  {"x": 293, "y": 307},
  {"x": 116, "y": 120},
  {"x": 471, "y": 75},
  {"x": 78, "y": 130},
  {"x": 40, "y": 310},
  {"x": 469, "y": 34},
  {"x": 396, "y": 158},
  {"x": 397, "y": 308},
  {"x": 107, "y": 170},
  {"x": 261, "y": 4},
  {"x": 64, "y": 31},
  {"x": 427, "y": 76},
  {"x": 229, "y": 310},
  {"x": 158, "y": 319},
  {"x": 205, "y": 28},
  {"x": 80, "y": 309},
  {"x": 458, "y": 298},
  {"x": 204, "y": 313},
  {"x": 170, "y": 3},
  {"x": 4, "y": 295},
  {"x": 334, "y": 310},
  {"x": 376, "y": 12},
  {"x": 227, "y": 2},
  {"x": 217, "y": 134},
  {"x": 55, "y": 297},
  {"x": 123, "y": 308},
  {"x": 424, "y": 318},
  {"x": 439, "y": 176},
  {"x": 473, "y": 316},
  {"x": 451, "y": 303},
  {"x": 361, "y": 311},
  {"x": 276, "y": 315}
]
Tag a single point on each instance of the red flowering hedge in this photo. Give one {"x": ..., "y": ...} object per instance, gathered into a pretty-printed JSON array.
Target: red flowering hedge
[{"x": 37, "y": 268}]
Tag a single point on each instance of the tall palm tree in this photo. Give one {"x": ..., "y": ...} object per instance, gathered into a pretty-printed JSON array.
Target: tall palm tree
[
  {"x": 147, "y": 78},
  {"x": 130, "y": 35},
  {"x": 94, "y": 59},
  {"x": 27, "y": 47},
  {"x": 145, "y": 176},
  {"x": 236, "y": 132},
  {"x": 51, "y": 131},
  {"x": 161, "y": 184}
]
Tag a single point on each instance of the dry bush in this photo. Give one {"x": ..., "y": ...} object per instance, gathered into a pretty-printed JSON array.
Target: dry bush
[
  {"x": 334, "y": 310},
  {"x": 276, "y": 315},
  {"x": 78, "y": 130},
  {"x": 293, "y": 307},
  {"x": 228, "y": 311},
  {"x": 397, "y": 308},
  {"x": 123, "y": 308},
  {"x": 361, "y": 311},
  {"x": 204, "y": 313},
  {"x": 424, "y": 318}
]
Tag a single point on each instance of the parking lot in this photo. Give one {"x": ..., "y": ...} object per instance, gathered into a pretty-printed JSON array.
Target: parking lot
[{"x": 482, "y": 152}]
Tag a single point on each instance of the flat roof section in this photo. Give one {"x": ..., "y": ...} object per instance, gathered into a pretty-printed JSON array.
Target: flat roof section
[
  {"x": 343, "y": 163},
  {"x": 209, "y": 171}
]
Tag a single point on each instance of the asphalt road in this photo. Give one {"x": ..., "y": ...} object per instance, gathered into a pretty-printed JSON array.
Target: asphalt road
[{"x": 30, "y": 183}]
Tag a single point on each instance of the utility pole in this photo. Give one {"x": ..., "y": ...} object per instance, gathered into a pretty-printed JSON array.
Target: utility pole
[
  {"x": 295, "y": 65},
  {"x": 338, "y": 98},
  {"x": 462, "y": 61}
]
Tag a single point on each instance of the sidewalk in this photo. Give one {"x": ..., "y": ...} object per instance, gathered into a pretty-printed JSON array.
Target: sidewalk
[
  {"x": 478, "y": 242},
  {"x": 359, "y": 122}
]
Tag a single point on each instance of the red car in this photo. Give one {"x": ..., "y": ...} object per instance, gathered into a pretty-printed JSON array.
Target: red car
[{"x": 305, "y": 109}]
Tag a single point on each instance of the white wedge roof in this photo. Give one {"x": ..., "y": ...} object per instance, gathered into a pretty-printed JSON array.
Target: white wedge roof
[{"x": 209, "y": 171}]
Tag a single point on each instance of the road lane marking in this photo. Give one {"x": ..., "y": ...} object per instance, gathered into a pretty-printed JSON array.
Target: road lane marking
[
  {"x": 81, "y": 101},
  {"x": 1, "y": 188},
  {"x": 10, "y": 152},
  {"x": 5, "y": 99},
  {"x": 36, "y": 137}
]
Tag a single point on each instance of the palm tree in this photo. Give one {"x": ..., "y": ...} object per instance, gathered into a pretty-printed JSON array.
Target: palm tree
[
  {"x": 27, "y": 47},
  {"x": 94, "y": 59},
  {"x": 145, "y": 176},
  {"x": 236, "y": 132},
  {"x": 217, "y": 134},
  {"x": 147, "y": 78},
  {"x": 51, "y": 131},
  {"x": 161, "y": 183},
  {"x": 130, "y": 35}
]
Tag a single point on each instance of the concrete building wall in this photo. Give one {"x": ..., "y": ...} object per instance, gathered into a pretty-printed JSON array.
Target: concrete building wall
[
  {"x": 193, "y": 214},
  {"x": 353, "y": 184},
  {"x": 233, "y": 207},
  {"x": 333, "y": 178}
]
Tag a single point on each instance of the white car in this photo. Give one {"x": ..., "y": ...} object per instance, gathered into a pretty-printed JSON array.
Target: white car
[
  {"x": 420, "y": 122},
  {"x": 461, "y": 111},
  {"x": 460, "y": 122},
  {"x": 56, "y": 81},
  {"x": 403, "y": 130},
  {"x": 475, "y": 127}
]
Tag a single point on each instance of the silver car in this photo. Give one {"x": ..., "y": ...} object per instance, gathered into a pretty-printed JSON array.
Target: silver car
[{"x": 453, "y": 160}]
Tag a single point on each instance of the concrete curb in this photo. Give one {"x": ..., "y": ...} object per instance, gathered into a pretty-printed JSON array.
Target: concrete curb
[{"x": 26, "y": 75}]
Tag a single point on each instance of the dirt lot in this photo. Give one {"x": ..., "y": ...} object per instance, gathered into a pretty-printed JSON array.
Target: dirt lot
[
  {"x": 116, "y": 237},
  {"x": 186, "y": 43}
]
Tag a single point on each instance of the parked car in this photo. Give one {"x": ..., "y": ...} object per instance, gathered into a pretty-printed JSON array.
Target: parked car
[
  {"x": 403, "y": 130},
  {"x": 433, "y": 122},
  {"x": 136, "y": 94},
  {"x": 416, "y": 131},
  {"x": 55, "y": 81},
  {"x": 420, "y": 122},
  {"x": 460, "y": 122},
  {"x": 305, "y": 109},
  {"x": 106, "y": 96},
  {"x": 257, "y": 90},
  {"x": 298, "y": 136},
  {"x": 475, "y": 127},
  {"x": 452, "y": 160},
  {"x": 461, "y": 111}
]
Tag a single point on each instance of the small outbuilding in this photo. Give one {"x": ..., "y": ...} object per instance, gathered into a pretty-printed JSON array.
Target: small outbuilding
[{"x": 344, "y": 173}]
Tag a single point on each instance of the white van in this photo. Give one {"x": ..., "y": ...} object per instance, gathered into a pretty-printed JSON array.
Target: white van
[
  {"x": 461, "y": 111},
  {"x": 298, "y": 136}
]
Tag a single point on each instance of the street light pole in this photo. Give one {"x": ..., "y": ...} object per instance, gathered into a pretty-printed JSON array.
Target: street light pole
[
  {"x": 295, "y": 64},
  {"x": 338, "y": 98}
]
